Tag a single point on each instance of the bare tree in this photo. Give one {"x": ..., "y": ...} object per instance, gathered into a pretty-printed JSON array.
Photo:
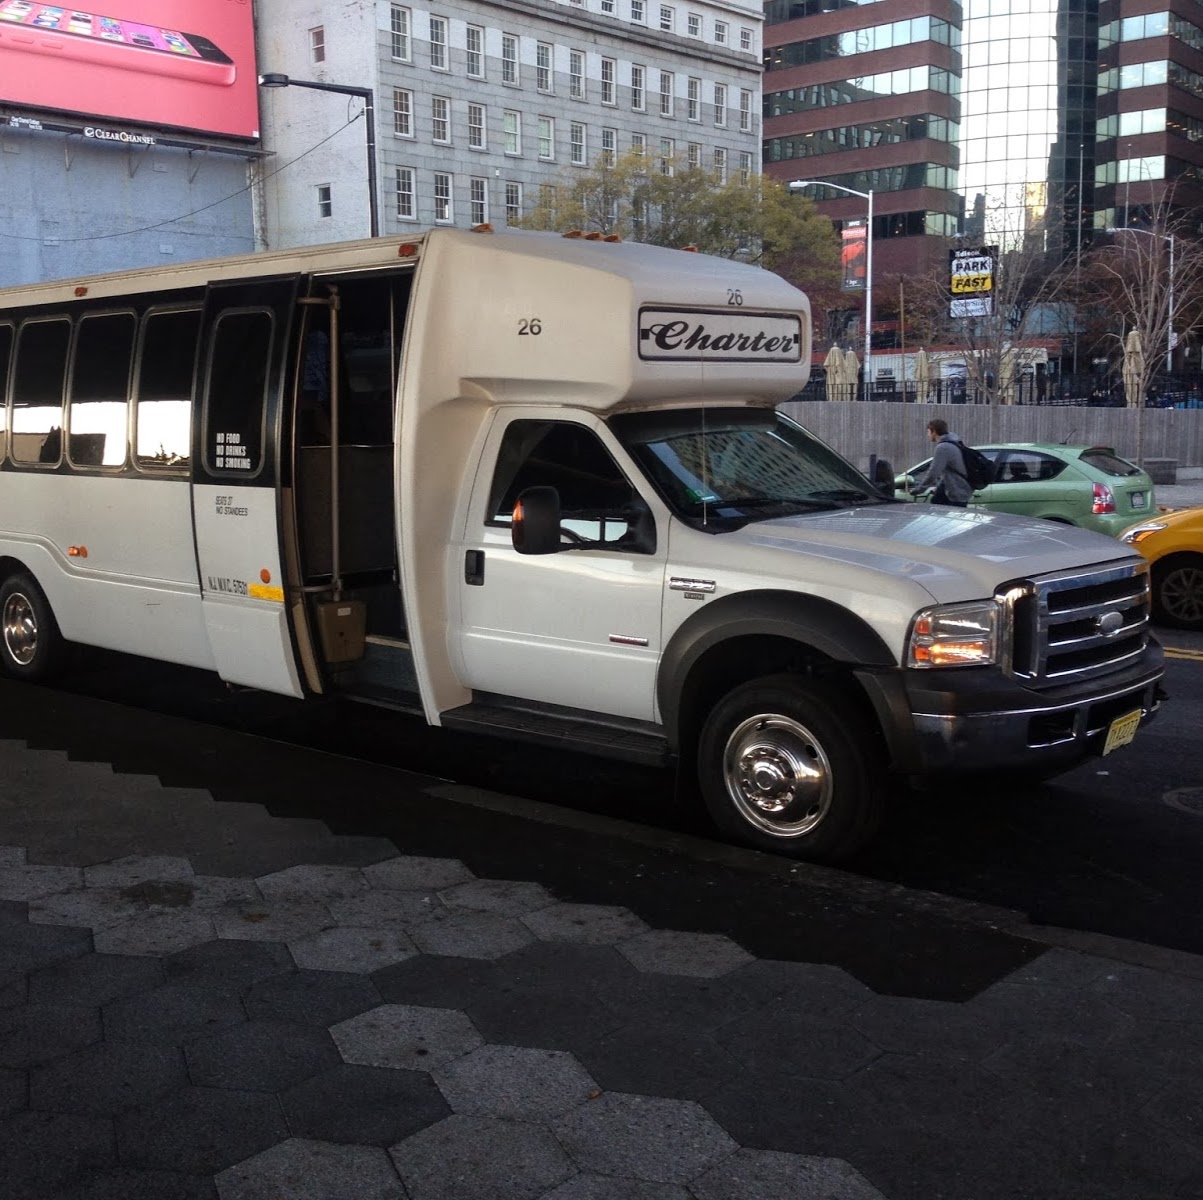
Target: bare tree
[{"x": 1152, "y": 277}]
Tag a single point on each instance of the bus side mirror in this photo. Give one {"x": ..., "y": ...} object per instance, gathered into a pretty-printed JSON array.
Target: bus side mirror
[{"x": 535, "y": 525}]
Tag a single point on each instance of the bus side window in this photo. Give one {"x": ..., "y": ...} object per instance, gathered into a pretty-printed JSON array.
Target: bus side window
[
  {"x": 163, "y": 394},
  {"x": 41, "y": 371},
  {"x": 100, "y": 376},
  {"x": 6, "y": 352}
]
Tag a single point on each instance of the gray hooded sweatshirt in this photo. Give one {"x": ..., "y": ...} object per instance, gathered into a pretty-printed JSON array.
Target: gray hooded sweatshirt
[{"x": 948, "y": 467}]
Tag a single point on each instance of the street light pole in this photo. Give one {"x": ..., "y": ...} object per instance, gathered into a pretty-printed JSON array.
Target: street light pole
[
  {"x": 798, "y": 185},
  {"x": 369, "y": 112}
]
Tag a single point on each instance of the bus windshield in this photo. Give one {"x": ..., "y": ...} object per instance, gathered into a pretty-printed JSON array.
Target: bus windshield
[{"x": 720, "y": 468}]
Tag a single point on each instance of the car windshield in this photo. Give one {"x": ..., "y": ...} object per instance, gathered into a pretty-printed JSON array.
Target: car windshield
[{"x": 720, "y": 468}]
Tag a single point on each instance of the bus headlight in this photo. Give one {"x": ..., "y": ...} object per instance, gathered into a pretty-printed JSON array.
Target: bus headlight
[{"x": 954, "y": 635}]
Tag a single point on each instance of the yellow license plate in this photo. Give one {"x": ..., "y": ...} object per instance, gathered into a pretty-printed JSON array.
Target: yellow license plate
[{"x": 1123, "y": 730}]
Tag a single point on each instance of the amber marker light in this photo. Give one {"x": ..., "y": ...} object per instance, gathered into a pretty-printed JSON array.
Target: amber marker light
[
  {"x": 77, "y": 552},
  {"x": 81, "y": 291},
  {"x": 485, "y": 228},
  {"x": 265, "y": 576},
  {"x": 406, "y": 250}
]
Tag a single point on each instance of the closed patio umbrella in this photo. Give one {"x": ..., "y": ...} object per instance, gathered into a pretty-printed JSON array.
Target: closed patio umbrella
[
  {"x": 851, "y": 371},
  {"x": 1134, "y": 361},
  {"x": 833, "y": 364},
  {"x": 922, "y": 377}
]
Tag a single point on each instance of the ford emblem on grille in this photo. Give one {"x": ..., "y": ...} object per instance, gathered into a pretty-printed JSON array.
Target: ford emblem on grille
[{"x": 1109, "y": 623}]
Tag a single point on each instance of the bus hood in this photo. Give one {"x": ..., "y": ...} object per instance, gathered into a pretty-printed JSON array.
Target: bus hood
[{"x": 952, "y": 553}]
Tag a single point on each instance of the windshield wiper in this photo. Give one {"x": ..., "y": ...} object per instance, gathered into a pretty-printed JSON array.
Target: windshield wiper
[{"x": 815, "y": 500}]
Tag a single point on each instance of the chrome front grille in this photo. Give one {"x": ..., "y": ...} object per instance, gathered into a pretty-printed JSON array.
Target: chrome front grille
[{"x": 1078, "y": 625}]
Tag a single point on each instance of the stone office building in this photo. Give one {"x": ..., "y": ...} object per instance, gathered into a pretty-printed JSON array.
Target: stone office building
[{"x": 480, "y": 105}]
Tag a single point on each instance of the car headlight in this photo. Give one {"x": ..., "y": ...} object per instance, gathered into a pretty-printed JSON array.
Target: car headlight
[
  {"x": 1139, "y": 532},
  {"x": 954, "y": 635}
]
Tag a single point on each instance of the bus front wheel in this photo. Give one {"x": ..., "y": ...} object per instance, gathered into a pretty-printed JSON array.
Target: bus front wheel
[
  {"x": 31, "y": 646},
  {"x": 791, "y": 766}
]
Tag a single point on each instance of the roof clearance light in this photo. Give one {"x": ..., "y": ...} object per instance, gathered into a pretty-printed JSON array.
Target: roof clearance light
[
  {"x": 407, "y": 250},
  {"x": 593, "y": 236},
  {"x": 81, "y": 291},
  {"x": 612, "y": 237},
  {"x": 484, "y": 228},
  {"x": 690, "y": 249},
  {"x": 574, "y": 233}
]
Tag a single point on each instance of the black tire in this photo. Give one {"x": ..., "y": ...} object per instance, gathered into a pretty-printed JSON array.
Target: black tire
[
  {"x": 790, "y": 765},
  {"x": 31, "y": 646},
  {"x": 1178, "y": 591}
]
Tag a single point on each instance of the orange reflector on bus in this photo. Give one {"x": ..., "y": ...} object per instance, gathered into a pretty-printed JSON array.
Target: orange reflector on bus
[
  {"x": 77, "y": 552},
  {"x": 265, "y": 575}
]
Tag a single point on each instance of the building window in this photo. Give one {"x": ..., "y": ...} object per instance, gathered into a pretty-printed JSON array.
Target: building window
[
  {"x": 745, "y": 110},
  {"x": 438, "y": 43},
  {"x": 693, "y": 99},
  {"x": 745, "y": 39},
  {"x": 693, "y": 24},
  {"x": 666, "y": 18},
  {"x": 513, "y": 201},
  {"x": 666, "y": 93},
  {"x": 720, "y": 165},
  {"x": 720, "y": 104},
  {"x": 607, "y": 6},
  {"x": 476, "y": 127},
  {"x": 442, "y": 197},
  {"x": 509, "y": 59},
  {"x": 638, "y": 12},
  {"x": 474, "y": 58},
  {"x": 547, "y": 139},
  {"x": 609, "y": 147},
  {"x": 511, "y": 130},
  {"x": 478, "y": 193},
  {"x": 402, "y": 49},
  {"x": 639, "y": 144},
  {"x": 403, "y": 112},
  {"x": 543, "y": 67},
  {"x": 576, "y": 138},
  {"x": 720, "y": 33},
  {"x": 745, "y": 167},
  {"x": 405, "y": 194},
  {"x": 638, "y": 100},
  {"x": 325, "y": 200},
  {"x": 317, "y": 44},
  {"x": 440, "y": 119},
  {"x": 693, "y": 154},
  {"x": 668, "y": 154},
  {"x": 609, "y": 73},
  {"x": 576, "y": 74}
]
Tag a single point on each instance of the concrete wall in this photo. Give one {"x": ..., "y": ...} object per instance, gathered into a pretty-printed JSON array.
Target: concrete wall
[
  {"x": 71, "y": 206},
  {"x": 898, "y": 431}
]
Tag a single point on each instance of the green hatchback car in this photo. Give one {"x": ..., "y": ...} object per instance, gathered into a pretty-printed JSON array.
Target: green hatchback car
[{"x": 1089, "y": 486}]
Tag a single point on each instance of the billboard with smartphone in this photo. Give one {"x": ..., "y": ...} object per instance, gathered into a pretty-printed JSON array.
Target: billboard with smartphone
[{"x": 182, "y": 64}]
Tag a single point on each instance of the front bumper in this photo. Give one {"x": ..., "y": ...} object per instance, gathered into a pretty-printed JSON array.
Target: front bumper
[{"x": 972, "y": 720}]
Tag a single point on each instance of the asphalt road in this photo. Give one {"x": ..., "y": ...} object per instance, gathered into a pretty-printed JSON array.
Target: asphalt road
[{"x": 1114, "y": 847}]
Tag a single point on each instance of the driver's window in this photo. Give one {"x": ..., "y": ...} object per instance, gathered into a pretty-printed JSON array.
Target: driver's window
[{"x": 595, "y": 496}]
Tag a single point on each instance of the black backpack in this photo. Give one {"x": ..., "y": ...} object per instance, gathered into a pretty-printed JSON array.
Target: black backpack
[{"x": 979, "y": 470}]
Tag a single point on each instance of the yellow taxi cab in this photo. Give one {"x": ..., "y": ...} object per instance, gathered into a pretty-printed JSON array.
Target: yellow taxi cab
[{"x": 1173, "y": 544}]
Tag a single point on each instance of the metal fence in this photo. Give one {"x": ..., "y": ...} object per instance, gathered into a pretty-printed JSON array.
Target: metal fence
[{"x": 898, "y": 431}]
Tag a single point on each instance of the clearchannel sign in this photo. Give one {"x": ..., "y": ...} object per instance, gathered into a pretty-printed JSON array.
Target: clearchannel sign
[{"x": 170, "y": 64}]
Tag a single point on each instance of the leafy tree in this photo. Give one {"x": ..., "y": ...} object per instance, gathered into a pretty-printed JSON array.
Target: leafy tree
[{"x": 666, "y": 203}]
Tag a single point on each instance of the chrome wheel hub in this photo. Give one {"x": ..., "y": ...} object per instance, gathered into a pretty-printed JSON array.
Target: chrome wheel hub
[
  {"x": 778, "y": 775},
  {"x": 20, "y": 629}
]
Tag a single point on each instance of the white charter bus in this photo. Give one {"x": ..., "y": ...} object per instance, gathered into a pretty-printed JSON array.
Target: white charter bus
[{"x": 537, "y": 486}]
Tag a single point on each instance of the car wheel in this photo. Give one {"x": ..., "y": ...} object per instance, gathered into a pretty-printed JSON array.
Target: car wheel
[
  {"x": 1178, "y": 591},
  {"x": 789, "y": 765},
  {"x": 31, "y": 646}
]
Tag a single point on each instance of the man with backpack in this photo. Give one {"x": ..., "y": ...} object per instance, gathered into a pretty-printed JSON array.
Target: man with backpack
[{"x": 947, "y": 478}]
